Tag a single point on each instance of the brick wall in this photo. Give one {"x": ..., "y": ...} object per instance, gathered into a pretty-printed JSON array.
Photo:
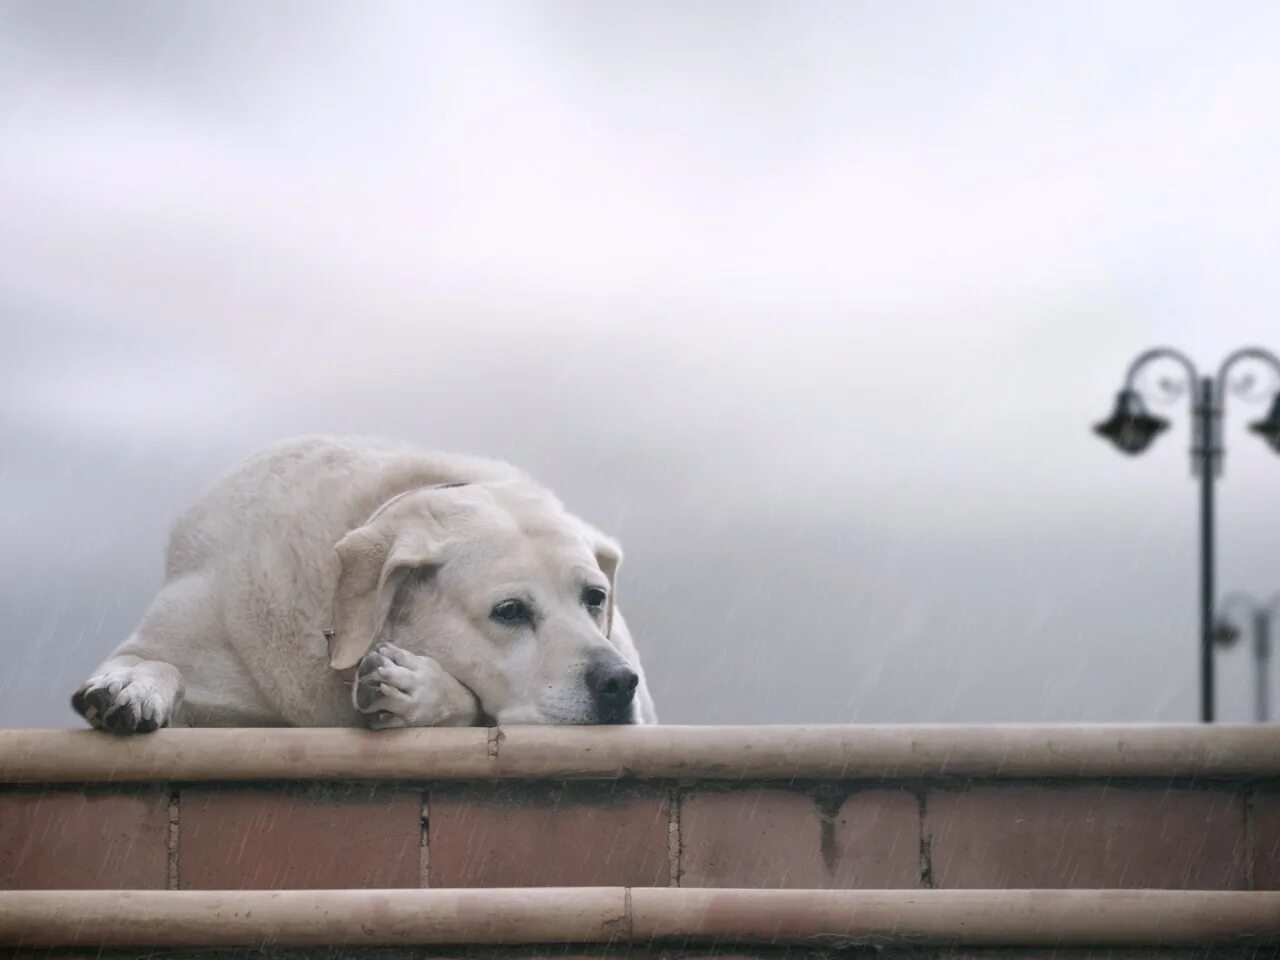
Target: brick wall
[{"x": 1081, "y": 833}]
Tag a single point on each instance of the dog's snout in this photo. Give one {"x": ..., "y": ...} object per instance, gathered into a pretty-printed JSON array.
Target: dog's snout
[{"x": 613, "y": 688}]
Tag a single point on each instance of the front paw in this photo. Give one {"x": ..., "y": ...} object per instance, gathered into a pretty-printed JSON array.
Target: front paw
[
  {"x": 396, "y": 688},
  {"x": 123, "y": 702}
]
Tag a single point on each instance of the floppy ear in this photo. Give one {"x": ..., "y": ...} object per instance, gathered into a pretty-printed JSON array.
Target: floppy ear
[
  {"x": 373, "y": 560},
  {"x": 608, "y": 558}
]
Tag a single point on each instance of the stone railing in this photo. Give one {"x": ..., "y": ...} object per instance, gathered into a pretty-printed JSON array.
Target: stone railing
[{"x": 812, "y": 836}]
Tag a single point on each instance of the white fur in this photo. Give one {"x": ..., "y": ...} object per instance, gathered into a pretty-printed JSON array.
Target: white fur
[{"x": 282, "y": 550}]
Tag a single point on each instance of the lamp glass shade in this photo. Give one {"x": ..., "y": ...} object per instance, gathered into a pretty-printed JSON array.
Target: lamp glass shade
[
  {"x": 1131, "y": 427},
  {"x": 1268, "y": 428}
]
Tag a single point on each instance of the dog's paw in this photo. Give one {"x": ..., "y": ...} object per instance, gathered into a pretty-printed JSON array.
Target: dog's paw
[
  {"x": 396, "y": 688},
  {"x": 123, "y": 702}
]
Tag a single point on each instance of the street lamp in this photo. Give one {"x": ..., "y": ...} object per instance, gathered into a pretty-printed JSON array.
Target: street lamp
[
  {"x": 1240, "y": 606},
  {"x": 1132, "y": 428}
]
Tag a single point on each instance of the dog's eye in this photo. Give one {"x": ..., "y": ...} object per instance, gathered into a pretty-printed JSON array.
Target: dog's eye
[
  {"x": 512, "y": 612},
  {"x": 593, "y": 597}
]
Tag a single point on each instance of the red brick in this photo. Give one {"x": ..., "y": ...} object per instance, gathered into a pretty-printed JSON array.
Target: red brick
[
  {"x": 318, "y": 837},
  {"x": 751, "y": 838},
  {"x": 766, "y": 837},
  {"x": 878, "y": 841},
  {"x": 74, "y": 839},
  {"x": 1265, "y": 840},
  {"x": 526, "y": 835},
  {"x": 1086, "y": 837}
]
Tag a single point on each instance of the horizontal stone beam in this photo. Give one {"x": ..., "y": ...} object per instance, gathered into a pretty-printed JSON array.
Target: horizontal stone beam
[
  {"x": 365, "y": 918},
  {"x": 663, "y": 752}
]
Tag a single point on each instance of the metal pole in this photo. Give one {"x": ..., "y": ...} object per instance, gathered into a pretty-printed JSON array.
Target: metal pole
[
  {"x": 1262, "y": 663},
  {"x": 1206, "y": 454}
]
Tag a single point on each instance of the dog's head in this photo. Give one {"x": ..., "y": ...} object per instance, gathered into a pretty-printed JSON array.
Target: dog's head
[{"x": 511, "y": 594}]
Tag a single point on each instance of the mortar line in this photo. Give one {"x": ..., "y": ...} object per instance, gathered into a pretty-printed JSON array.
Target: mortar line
[
  {"x": 675, "y": 842},
  {"x": 424, "y": 841},
  {"x": 171, "y": 845},
  {"x": 1250, "y": 848},
  {"x": 926, "y": 844}
]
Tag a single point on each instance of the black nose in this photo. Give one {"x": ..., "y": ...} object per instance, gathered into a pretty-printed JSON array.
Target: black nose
[{"x": 613, "y": 686}]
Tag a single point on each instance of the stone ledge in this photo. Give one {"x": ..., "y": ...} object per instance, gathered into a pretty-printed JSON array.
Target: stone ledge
[
  {"x": 611, "y": 915},
  {"x": 863, "y": 808},
  {"x": 703, "y": 753}
]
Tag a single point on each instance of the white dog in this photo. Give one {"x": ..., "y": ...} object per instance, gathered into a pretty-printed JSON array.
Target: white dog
[{"x": 458, "y": 590}]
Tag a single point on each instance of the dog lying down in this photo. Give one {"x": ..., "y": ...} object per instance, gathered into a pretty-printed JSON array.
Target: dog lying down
[{"x": 329, "y": 582}]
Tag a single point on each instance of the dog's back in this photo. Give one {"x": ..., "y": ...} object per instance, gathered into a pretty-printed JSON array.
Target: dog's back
[{"x": 316, "y": 488}]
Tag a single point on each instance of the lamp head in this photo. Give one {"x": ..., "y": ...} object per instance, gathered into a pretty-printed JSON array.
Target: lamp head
[
  {"x": 1131, "y": 427},
  {"x": 1268, "y": 428}
]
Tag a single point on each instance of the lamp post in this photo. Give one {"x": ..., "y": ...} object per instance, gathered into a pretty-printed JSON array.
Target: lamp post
[
  {"x": 1240, "y": 606},
  {"x": 1132, "y": 428}
]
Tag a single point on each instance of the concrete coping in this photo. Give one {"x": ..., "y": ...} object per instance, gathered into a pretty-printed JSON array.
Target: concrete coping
[
  {"x": 355, "y": 918},
  {"x": 730, "y": 753}
]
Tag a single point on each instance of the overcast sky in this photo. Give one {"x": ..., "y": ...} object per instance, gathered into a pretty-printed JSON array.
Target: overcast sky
[{"x": 812, "y": 305}]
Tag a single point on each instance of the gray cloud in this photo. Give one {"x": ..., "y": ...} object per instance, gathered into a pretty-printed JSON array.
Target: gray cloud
[{"x": 811, "y": 307}]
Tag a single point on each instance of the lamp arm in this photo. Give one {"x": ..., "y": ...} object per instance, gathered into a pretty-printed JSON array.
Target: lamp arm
[
  {"x": 1246, "y": 353},
  {"x": 1142, "y": 360},
  {"x": 1161, "y": 353}
]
